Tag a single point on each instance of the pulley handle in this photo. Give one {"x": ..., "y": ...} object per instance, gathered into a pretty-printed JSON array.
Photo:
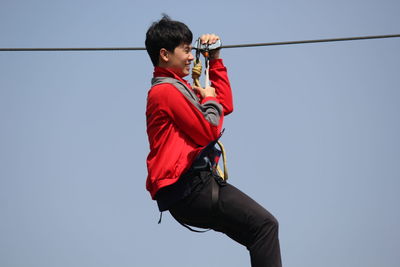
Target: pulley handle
[{"x": 201, "y": 48}]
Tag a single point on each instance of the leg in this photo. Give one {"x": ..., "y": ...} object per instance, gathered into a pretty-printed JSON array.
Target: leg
[
  {"x": 238, "y": 216},
  {"x": 247, "y": 222}
]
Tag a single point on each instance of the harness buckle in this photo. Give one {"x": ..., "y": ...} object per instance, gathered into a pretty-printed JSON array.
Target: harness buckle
[{"x": 201, "y": 164}]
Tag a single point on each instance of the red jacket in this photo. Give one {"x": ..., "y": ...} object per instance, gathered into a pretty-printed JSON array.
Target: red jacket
[{"x": 180, "y": 124}]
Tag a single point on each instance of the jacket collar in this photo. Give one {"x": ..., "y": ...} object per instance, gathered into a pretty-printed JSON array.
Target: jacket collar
[{"x": 163, "y": 72}]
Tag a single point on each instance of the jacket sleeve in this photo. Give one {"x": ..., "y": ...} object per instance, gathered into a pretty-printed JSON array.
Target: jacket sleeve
[
  {"x": 201, "y": 122},
  {"x": 220, "y": 81}
]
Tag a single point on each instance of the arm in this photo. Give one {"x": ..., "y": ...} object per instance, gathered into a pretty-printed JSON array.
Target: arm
[
  {"x": 218, "y": 75},
  {"x": 201, "y": 122},
  {"x": 220, "y": 81}
]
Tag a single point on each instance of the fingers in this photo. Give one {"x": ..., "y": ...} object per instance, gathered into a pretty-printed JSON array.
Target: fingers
[
  {"x": 198, "y": 89},
  {"x": 209, "y": 38},
  {"x": 205, "y": 92},
  {"x": 195, "y": 88}
]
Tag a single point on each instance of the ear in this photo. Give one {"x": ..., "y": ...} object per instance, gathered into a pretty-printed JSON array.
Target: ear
[{"x": 164, "y": 54}]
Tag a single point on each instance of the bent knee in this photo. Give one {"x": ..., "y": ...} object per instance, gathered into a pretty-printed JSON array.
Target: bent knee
[{"x": 269, "y": 223}]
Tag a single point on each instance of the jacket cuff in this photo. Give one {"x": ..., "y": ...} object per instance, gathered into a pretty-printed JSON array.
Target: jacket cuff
[
  {"x": 217, "y": 63},
  {"x": 209, "y": 98}
]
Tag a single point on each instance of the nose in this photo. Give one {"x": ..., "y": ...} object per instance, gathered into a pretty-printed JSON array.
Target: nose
[{"x": 191, "y": 57}]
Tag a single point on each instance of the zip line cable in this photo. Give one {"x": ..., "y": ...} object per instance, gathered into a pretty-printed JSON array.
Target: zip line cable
[
  {"x": 315, "y": 41},
  {"x": 224, "y": 46}
]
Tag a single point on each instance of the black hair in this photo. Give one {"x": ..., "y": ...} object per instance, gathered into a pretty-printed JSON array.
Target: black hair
[{"x": 168, "y": 34}]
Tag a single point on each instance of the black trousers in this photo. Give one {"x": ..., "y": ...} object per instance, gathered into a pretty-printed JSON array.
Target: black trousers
[{"x": 235, "y": 214}]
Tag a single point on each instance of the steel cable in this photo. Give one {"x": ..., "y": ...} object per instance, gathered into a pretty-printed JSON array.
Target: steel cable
[{"x": 224, "y": 46}]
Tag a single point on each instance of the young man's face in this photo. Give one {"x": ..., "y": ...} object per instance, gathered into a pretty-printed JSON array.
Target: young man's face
[{"x": 179, "y": 61}]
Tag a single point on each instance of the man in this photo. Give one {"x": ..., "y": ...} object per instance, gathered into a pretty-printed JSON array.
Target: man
[{"x": 183, "y": 124}]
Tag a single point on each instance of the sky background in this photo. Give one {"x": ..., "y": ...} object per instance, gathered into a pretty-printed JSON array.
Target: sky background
[{"x": 314, "y": 137}]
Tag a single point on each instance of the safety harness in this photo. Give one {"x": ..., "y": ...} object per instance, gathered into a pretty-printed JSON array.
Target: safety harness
[{"x": 222, "y": 175}]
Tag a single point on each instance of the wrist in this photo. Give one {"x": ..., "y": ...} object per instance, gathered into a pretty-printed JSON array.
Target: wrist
[
  {"x": 215, "y": 54},
  {"x": 208, "y": 95}
]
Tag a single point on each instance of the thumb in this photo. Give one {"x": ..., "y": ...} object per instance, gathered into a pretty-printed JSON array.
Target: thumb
[{"x": 196, "y": 88}]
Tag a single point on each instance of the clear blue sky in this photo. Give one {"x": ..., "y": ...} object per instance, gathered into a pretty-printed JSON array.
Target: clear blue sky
[{"x": 314, "y": 137}]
